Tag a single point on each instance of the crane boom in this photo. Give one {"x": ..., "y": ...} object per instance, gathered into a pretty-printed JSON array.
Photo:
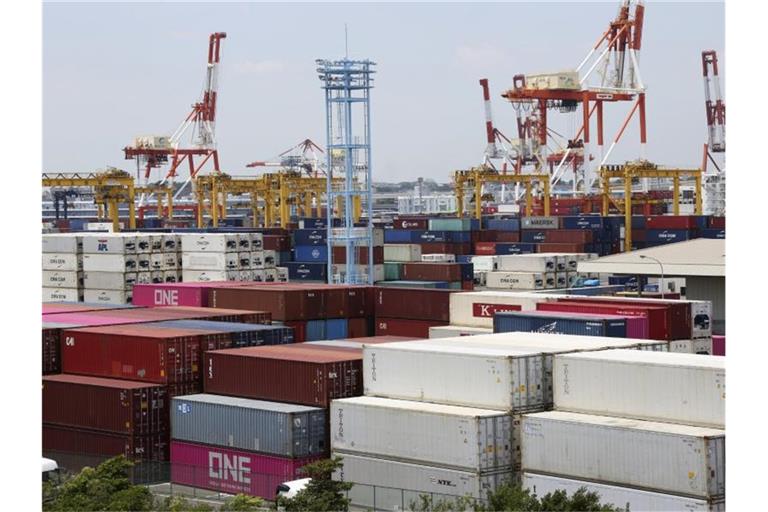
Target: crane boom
[{"x": 715, "y": 106}]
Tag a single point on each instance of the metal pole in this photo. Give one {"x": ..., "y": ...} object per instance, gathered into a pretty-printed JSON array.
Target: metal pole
[{"x": 661, "y": 266}]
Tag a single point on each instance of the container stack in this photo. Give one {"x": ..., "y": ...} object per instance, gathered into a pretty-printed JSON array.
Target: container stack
[
  {"x": 62, "y": 268},
  {"x": 648, "y": 434},
  {"x": 339, "y": 268},
  {"x": 227, "y": 257},
  {"x": 437, "y": 418},
  {"x": 266, "y": 443},
  {"x": 455, "y": 276},
  {"x": 410, "y": 311}
]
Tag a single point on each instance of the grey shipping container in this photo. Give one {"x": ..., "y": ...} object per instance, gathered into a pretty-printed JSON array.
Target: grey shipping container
[{"x": 272, "y": 428}]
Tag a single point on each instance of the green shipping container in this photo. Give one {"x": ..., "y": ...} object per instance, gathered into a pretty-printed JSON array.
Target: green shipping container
[
  {"x": 449, "y": 224},
  {"x": 392, "y": 271}
]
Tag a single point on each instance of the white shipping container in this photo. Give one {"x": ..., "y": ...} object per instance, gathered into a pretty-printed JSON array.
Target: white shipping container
[
  {"x": 171, "y": 276},
  {"x": 143, "y": 277},
  {"x": 663, "y": 457},
  {"x": 209, "y": 242},
  {"x": 378, "y": 235},
  {"x": 550, "y": 280},
  {"x": 101, "y": 226},
  {"x": 477, "y": 308},
  {"x": 156, "y": 243},
  {"x": 170, "y": 260},
  {"x": 270, "y": 275},
  {"x": 143, "y": 261},
  {"x": 561, "y": 280},
  {"x": 515, "y": 280},
  {"x": 486, "y": 263},
  {"x": 438, "y": 258},
  {"x": 62, "y": 294},
  {"x": 623, "y": 497},
  {"x": 270, "y": 258},
  {"x": 110, "y": 263},
  {"x": 257, "y": 241},
  {"x": 399, "y": 485},
  {"x": 571, "y": 278},
  {"x": 422, "y": 433},
  {"x": 157, "y": 261},
  {"x": 109, "y": 280},
  {"x": 451, "y": 331},
  {"x": 143, "y": 244},
  {"x": 526, "y": 263},
  {"x": 62, "y": 262},
  {"x": 282, "y": 274},
  {"x": 244, "y": 260},
  {"x": 195, "y": 276},
  {"x": 257, "y": 259},
  {"x": 259, "y": 275},
  {"x": 243, "y": 242},
  {"x": 245, "y": 275},
  {"x": 107, "y": 296},
  {"x": 530, "y": 222},
  {"x": 341, "y": 271},
  {"x": 480, "y": 278},
  {"x": 110, "y": 243},
  {"x": 158, "y": 276},
  {"x": 456, "y": 372},
  {"x": 694, "y": 346},
  {"x": 62, "y": 243},
  {"x": 563, "y": 261},
  {"x": 209, "y": 261},
  {"x": 171, "y": 243},
  {"x": 54, "y": 279},
  {"x": 655, "y": 386},
  {"x": 402, "y": 252}
]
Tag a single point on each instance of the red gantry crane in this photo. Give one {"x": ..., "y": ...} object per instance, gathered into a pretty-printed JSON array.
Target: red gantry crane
[
  {"x": 154, "y": 151},
  {"x": 609, "y": 73}
]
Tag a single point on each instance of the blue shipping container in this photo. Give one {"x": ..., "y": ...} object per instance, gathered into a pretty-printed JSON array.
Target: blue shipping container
[
  {"x": 532, "y": 237},
  {"x": 336, "y": 329},
  {"x": 312, "y": 223},
  {"x": 467, "y": 271},
  {"x": 561, "y": 324},
  {"x": 311, "y": 253},
  {"x": 243, "y": 335},
  {"x": 316, "y": 330},
  {"x": 398, "y": 236},
  {"x": 638, "y": 222},
  {"x": 283, "y": 257},
  {"x": 515, "y": 248},
  {"x": 298, "y": 271},
  {"x": 668, "y": 235},
  {"x": 713, "y": 233},
  {"x": 464, "y": 258},
  {"x": 440, "y": 237},
  {"x": 503, "y": 224},
  {"x": 415, "y": 284},
  {"x": 582, "y": 222},
  {"x": 309, "y": 237}
]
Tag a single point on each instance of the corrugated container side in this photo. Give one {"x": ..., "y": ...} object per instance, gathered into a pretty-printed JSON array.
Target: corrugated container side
[
  {"x": 232, "y": 471},
  {"x": 623, "y": 497},
  {"x": 652, "y": 456},
  {"x": 266, "y": 427},
  {"x": 153, "y": 447}
]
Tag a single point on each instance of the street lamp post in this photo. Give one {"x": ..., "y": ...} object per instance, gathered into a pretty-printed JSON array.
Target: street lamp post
[{"x": 643, "y": 256}]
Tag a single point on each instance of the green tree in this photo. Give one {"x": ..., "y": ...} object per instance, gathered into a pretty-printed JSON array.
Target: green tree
[
  {"x": 105, "y": 487},
  {"x": 179, "y": 504},
  {"x": 322, "y": 493},
  {"x": 242, "y": 503}
]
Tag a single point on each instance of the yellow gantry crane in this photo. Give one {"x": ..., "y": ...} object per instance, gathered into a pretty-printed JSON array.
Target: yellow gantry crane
[
  {"x": 277, "y": 191},
  {"x": 478, "y": 176},
  {"x": 643, "y": 170},
  {"x": 109, "y": 188}
]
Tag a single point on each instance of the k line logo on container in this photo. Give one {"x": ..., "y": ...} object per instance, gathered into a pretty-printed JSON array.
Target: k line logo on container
[{"x": 488, "y": 310}]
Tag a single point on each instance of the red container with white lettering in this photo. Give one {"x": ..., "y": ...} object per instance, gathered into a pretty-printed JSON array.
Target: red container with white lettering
[
  {"x": 404, "y": 327},
  {"x": 223, "y": 469}
]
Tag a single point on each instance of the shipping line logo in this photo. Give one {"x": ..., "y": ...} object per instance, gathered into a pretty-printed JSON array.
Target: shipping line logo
[
  {"x": 233, "y": 468},
  {"x": 488, "y": 310}
]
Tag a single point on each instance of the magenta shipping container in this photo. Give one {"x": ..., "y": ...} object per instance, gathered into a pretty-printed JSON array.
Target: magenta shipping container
[
  {"x": 177, "y": 294},
  {"x": 718, "y": 345},
  {"x": 232, "y": 471}
]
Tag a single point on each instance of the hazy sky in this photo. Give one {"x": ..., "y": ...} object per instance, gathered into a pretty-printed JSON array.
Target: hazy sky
[{"x": 114, "y": 71}]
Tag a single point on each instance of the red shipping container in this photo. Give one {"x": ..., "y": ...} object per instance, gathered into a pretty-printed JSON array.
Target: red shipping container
[
  {"x": 79, "y": 307},
  {"x": 567, "y": 248},
  {"x": 412, "y": 223},
  {"x": 232, "y": 471},
  {"x": 638, "y": 235},
  {"x": 718, "y": 345},
  {"x": 178, "y": 294},
  {"x": 137, "y": 352},
  {"x": 487, "y": 235},
  {"x": 430, "y": 272},
  {"x": 670, "y": 222},
  {"x": 485, "y": 248},
  {"x": 143, "y": 315},
  {"x": 445, "y": 248},
  {"x": 299, "y": 373},
  {"x": 361, "y": 255},
  {"x": 467, "y": 285},
  {"x": 56, "y": 439},
  {"x": 507, "y": 237},
  {"x": 568, "y": 236},
  {"x": 282, "y": 301},
  {"x": 111, "y": 405},
  {"x": 404, "y": 327},
  {"x": 678, "y": 315},
  {"x": 299, "y": 330},
  {"x": 51, "y": 347},
  {"x": 413, "y": 303},
  {"x": 279, "y": 243},
  {"x": 658, "y": 329},
  {"x": 358, "y": 328},
  {"x": 717, "y": 223}
]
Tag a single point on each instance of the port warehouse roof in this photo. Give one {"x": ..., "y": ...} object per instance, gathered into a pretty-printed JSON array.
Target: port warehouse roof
[{"x": 700, "y": 257}]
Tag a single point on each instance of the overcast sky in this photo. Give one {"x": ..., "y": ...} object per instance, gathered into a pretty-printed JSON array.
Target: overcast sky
[{"x": 114, "y": 71}]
